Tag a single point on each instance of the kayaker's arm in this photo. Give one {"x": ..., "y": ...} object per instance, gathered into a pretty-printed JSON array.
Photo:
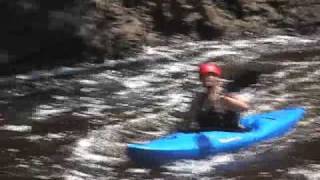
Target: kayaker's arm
[{"x": 234, "y": 102}]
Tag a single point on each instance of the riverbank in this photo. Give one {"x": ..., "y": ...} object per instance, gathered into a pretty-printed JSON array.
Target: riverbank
[
  {"x": 132, "y": 23},
  {"x": 63, "y": 33}
]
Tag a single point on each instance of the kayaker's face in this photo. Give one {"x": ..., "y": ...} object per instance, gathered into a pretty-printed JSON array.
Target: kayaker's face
[{"x": 209, "y": 80}]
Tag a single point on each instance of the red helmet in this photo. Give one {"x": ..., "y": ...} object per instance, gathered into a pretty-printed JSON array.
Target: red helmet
[{"x": 207, "y": 68}]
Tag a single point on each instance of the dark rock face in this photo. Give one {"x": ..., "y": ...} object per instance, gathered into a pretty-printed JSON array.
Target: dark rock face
[
  {"x": 38, "y": 32},
  {"x": 111, "y": 29},
  {"x": 290, "y": 15},
  {"x": 151, "y": 20},
  {"x": 41, "y": 33}
]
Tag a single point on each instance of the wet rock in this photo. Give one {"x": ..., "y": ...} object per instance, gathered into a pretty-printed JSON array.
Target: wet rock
[
  {"x": 112, "y": 30},
  {"x": 38, "y": 33},
  {"x": 59, "y": 31},
  {"x": 284, "y": 14},
  {"x": 245, "y": 74}
]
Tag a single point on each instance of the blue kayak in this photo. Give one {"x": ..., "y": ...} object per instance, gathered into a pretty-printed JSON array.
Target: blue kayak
[{"x": 200, "y": 144}]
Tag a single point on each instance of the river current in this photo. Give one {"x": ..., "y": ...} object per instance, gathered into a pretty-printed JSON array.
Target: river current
[{"x": 74, "y": 122}]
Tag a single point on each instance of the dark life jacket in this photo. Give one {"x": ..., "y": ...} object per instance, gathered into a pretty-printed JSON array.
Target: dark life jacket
[{"x": 209, "y": 118}]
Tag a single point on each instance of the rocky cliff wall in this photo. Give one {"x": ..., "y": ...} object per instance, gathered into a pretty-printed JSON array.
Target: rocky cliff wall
[{"x": 38, "y": 33}]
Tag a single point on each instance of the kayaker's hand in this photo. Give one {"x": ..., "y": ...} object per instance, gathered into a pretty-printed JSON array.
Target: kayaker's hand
[{"x": 214, "y": 95}]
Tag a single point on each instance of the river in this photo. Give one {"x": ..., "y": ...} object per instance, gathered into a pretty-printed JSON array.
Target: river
[{"x": 74, "y": 122}]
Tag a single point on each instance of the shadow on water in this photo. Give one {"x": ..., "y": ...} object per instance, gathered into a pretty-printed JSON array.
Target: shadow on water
[
  {"x": 24, "y": 158},
  {"x": 245, "y": 80},
  {"x": 273, "y": 163},
  {"x": 308, "y": 150}
]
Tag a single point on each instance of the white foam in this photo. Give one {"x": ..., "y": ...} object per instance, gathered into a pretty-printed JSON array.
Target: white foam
[
  {"x": 285, "y": 40},
  {"x": 138, "y": 171},
  {"x": 242, "y": 43},
  {"x": 88, "y": 90},
  {"x": 216, "y": 53},
  {"x": 163, "y": 51},
  {"x": 88, "y": 82},
  {"x": 282, "y": 40},
  {"x": 200, "y": 166},
  {"x": 219, "y": 47},
  {"x": 173, "y": 99},
  {"x": 46, "y": 110},
  {"x": 85, "y": 143},
  {"x": 56, "y": 136},
  {"x": 60, "y": 97},
  {"x": 312, "y": 171},
  {"x": 17, "y": 128},
  {"x": 92, "y": 100},
  {"x": 77, "y": 175},
  {"x": 133, "y": 83},
  {"x": 82, "y": 150}
]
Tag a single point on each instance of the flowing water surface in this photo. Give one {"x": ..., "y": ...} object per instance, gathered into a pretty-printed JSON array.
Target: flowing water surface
[{"x": 75, "y": 122}]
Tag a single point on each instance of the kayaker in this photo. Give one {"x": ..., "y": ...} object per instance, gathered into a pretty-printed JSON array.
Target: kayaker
[{"x": 216, "y": 109}]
